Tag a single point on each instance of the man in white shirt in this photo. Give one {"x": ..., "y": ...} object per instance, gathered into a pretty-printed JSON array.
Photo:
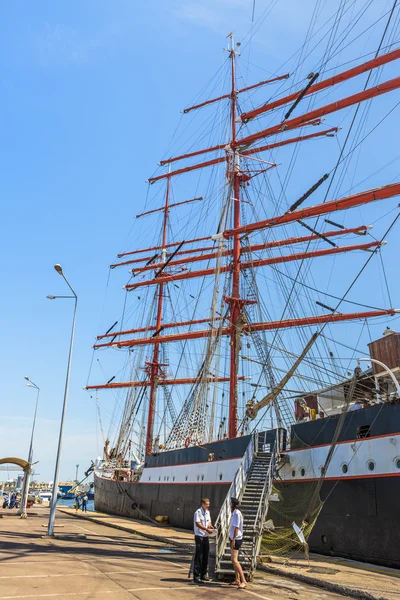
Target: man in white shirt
[
  {"x": 236, "y": 539},
  {"x": 202, "y": 527}
]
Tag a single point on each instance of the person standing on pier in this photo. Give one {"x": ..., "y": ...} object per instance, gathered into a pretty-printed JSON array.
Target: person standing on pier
[
  {"x": 236, "y": 539},
  {"x": 202, "y": 528},
  {"x": 84, "y": 503}
]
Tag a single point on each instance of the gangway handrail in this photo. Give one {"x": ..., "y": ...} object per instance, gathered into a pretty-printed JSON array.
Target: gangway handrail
[{"x": 235, "y": 491}]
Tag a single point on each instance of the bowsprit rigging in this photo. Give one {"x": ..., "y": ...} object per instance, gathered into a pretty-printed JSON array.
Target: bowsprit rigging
[{"x": 225, "y": 356}]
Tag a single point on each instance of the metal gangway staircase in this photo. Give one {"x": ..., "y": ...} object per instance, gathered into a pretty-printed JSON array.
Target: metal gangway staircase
[{"x": 252, "y": 486}]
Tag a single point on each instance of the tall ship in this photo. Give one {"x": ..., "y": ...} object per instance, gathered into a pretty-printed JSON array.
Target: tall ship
[{"x": 254, "y": 305}]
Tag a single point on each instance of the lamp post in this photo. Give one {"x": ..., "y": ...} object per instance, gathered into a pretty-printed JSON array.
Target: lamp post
[
  {"x": 53, "y": 501},
  {"x": 27, "y": 475},
  {"x": 76, "y": 478}
]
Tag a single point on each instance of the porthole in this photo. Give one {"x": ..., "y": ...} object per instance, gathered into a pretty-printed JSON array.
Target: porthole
[
  {"x": 302, "y": 472},
  {"x": 159, "y": 479},
  {"x": 397, "y": 463},
  {"x": 371, "y": 465},
  {"x": 198, "y": 477},
  {"x": 202, "y": 477},
  {"x": 149, "y": 477},
  {"x": 345, "y": 468},
  {"x": 220, "y": 476},
  {"x": 186, "y": 478},
  {"x": 167, "y": 477},
  {"x": 173, "y": 479},
  {"x": 293, "y": 473},
  {"x": 323, "y": 539}
]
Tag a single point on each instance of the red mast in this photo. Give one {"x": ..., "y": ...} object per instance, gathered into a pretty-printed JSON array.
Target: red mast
[
  {"x": 233, "y": 325},
  {"x": 155, "y": 365},
  {"x": 235, "y": 301}
]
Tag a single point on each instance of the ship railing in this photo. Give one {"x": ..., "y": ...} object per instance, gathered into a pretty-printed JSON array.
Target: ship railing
[
  {"x": 235, "y": 491},
  {"x": 264, "y": 504},
  {"x": 265, "y": 441}
]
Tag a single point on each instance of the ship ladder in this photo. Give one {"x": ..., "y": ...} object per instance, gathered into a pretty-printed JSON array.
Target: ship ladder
[{"x": 254, "y": 502}]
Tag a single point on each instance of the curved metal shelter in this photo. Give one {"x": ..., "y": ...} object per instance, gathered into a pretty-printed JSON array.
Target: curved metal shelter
[{"x": 13, "y": 460}]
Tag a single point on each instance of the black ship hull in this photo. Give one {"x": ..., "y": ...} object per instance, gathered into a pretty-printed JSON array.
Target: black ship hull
[
  {"x": 359, "y": 518},
  {"x": 173, "y": 483},
  {"x": 140, "y": 501},
  {"x": 360, "y": 521}
]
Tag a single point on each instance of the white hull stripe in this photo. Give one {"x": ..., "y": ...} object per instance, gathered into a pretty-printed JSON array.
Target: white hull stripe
[
  {"x": 355, "y": 459},
  {"x": 218, "y": 471},
  {"x": 203, "y": 462},
  {"x": 305, "y": 479},
  {"x": 363, "y": 458}
]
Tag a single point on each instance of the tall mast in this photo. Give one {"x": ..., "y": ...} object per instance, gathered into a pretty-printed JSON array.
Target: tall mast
[
  {"x": 170, "y": 254},
  {"x": 154, "y": 366},
  {"x": 234, "y": 301}
]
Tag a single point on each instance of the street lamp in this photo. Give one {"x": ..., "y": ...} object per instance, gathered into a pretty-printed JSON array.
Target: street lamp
[
  {"x": 53, "y": 501},
  {"x": 25, "y": 489}
]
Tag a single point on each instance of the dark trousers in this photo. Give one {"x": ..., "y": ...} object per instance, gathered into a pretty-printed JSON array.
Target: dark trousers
[{"x": 201, "y": 556}]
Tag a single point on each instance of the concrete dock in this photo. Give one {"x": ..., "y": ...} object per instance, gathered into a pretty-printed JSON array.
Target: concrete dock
[{"x": 88, "y": 559}]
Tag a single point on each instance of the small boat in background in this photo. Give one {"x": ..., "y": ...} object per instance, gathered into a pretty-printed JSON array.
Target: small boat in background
[{"x": 44, "y": 497}]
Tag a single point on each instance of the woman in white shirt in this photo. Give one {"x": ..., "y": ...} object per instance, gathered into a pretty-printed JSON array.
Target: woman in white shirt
[{"x": 236, "y": 539}]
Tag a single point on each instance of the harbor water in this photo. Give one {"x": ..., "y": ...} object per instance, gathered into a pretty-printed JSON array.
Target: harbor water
[{"x": 71, "y": 502}]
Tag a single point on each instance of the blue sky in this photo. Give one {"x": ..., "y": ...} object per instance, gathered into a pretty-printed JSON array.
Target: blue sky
[{"x": 90, "y": 95}]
